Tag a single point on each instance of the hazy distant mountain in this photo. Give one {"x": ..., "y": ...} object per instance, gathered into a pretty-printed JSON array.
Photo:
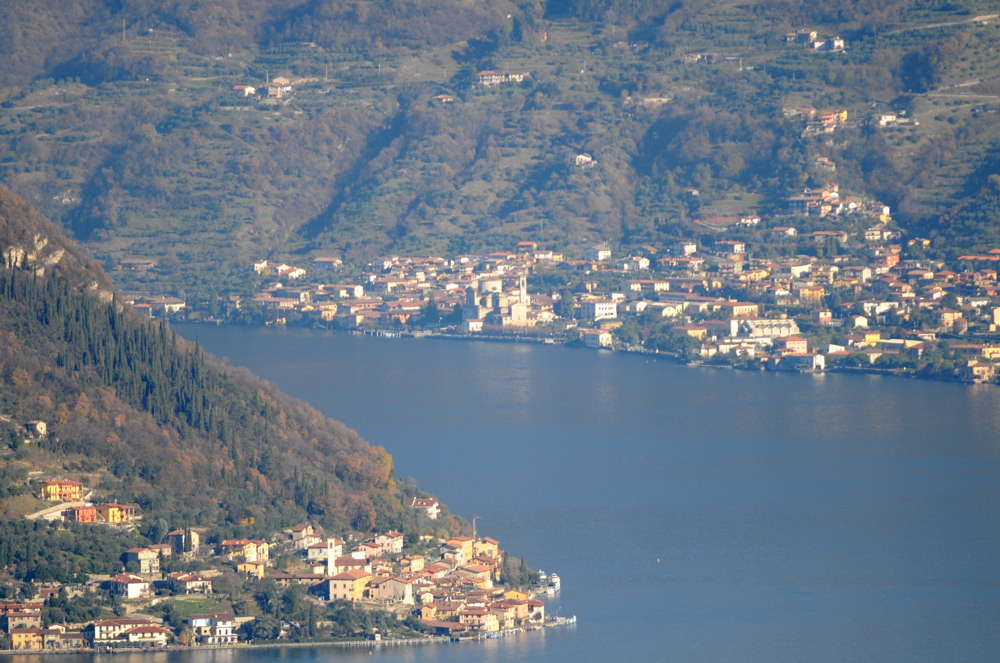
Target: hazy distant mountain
[{"x": 132, "y": 126}]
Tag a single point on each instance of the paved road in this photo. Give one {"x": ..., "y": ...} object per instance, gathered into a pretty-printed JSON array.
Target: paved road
[
  {"x": 928, "y": 26},
  {"x": 53, "y": 512}
]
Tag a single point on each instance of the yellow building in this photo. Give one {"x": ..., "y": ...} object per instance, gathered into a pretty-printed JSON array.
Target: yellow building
[
  {"x": 26, "y": 638},
  {"x": 348, "y": 586},
  {"x": 694, "y": 331},
  {"x": 487, "y": 547},
  {"x": 480, "y": 618},
  {"x": 516, "y": 595},
  {"x": 61, "y": 490},
  {"x": 463, "y": 543},
  {"x": 413, "y": 563},
  {"x": 872, "y": 337},
  {"x": 738, "y": 309},
  {"x": 253, "y": 569},
  {"x": 812, "y": 293},
  {"x": 115, "y": 513}
]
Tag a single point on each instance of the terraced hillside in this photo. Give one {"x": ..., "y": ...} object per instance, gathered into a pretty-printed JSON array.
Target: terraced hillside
[{"x": 143, "y": 141}]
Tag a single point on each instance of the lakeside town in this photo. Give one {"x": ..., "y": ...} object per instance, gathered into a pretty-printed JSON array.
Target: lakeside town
[
  {"x": 829, "y": 283},
  {"x": 298, "y": 585}
]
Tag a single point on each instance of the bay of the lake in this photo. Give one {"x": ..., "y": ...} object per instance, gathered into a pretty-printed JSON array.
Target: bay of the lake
[{"x": 692, "y": 514}]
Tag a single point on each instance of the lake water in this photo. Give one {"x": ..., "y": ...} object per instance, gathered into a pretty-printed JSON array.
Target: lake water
[{"x": 693, "y": 514}]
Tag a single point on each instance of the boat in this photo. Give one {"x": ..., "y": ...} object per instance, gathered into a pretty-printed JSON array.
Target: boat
[{"x": 561, "y": 621}]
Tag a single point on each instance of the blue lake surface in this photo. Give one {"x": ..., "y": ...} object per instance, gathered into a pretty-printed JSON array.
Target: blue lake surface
[{"x": 693, "y": 514}]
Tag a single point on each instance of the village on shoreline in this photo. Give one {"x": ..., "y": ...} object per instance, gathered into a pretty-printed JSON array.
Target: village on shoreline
[
  {"x": 842, "y": 289},
  {"x": 299, "y": 586}
]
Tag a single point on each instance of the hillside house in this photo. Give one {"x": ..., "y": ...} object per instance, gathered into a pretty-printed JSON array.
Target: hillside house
[
  {"x": 327, "y": 549},
  {"x": 252, "y": 569},
  {"x": 80, "y": 514},
  {"x": 61, "y": 490},
  {"x": 114, "y": 513},
  {"x": 129, "y": 586},
  {"x": 20, "y": 615},
  {"x": 37, "y": 428},
  {"x": 493, "y": 77},
  {"x": 189, "y": 583},
  {"x": 391, "y": 542},
  {"x": 302, "y": 536},
  {"x": 429, "y": 506},
  {"x": 597, "y": 253},
  {"x": 183, "y": 540},
  {"x": 144, "y": 560},
  {"x": 278, "y": 88},
  {"x": 247, "y": 550}
]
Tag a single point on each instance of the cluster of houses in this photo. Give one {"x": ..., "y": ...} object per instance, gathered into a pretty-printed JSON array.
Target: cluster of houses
[
  {"x": 24, "y": 628},
  {"x": 817, "y": 121},
  {"x": 22, "y": 622},
  {"x": 494, "y": 77},
  {"x": 839, "y": 255},
  {"x": 275, "y": 88},
  {"x": 396, "y": 290},
  {"x": 71, "y": 493},
  {"x": 827, "y": 201},
  {"x": 859, "y": 257},
  {"x": 456, "y": 589},
  {"x": 452, "y": 584},
  {"x": 812, "y": 40}
]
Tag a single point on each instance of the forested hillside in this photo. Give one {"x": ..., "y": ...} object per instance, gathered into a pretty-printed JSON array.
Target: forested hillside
[
  {"x": 132, "y": 125},
  {"x": 155, "y": 421}
]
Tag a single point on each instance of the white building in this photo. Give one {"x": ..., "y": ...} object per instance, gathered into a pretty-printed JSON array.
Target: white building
[
  {"x": 597, "y": 338},
  {"x": 429, "y": 505},
  {"x": 129, "y": 586},
  {"x": 214, "y": 629},
  {"x": 599, "y": 309},
  {"x": 596, "y": 253}
]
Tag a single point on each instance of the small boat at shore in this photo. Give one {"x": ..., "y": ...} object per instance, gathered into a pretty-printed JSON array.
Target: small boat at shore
[
  {"x": 562, "y": 621},
  {"x": 550, "y": 584}
]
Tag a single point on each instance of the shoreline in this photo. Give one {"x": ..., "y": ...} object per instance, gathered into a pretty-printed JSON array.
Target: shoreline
[
  {"x": 115, "y": 651},
  {"x": 347, "y": 644},
  {"x": 674, "y": 357},
  {"x": 549, "y": 340}
]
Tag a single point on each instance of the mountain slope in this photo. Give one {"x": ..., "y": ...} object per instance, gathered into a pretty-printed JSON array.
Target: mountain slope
[
  {"x": 156, "y": 421},
  {"x": 139, "y": 144}
]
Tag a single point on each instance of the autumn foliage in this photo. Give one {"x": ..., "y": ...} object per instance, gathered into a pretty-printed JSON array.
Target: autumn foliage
[{"x": 183, "y": 435}]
